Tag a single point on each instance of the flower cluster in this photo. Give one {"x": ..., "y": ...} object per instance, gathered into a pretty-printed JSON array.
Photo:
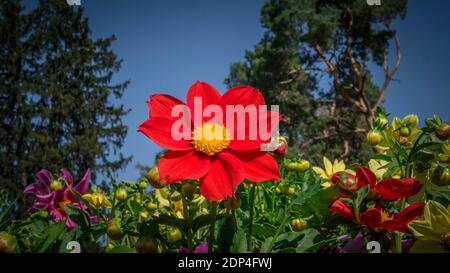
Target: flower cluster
[{"x": 204, "y": 193}]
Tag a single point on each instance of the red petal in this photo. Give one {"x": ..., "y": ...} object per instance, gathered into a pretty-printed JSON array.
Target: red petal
[
  {"x": 371, "y": 218},
  {"x": 395, "y": 225},
  {"x": 411, "y": 212},
  {"x": 159, "y": 130},
  {"x": 242, "y": 95},
  {"x": 206, "y": 92},
  {"x": 342, "y": 209},
  {"x": 365, "y": 177},
  {"x": 259, "y": 166},
  {"x": 161, "y": 105},
  {"x": 392, "y": 189},
  {"x": 244, "y": 140},
  {"x": 182, "y": 165},
  {"x": 225, "y": 175}
]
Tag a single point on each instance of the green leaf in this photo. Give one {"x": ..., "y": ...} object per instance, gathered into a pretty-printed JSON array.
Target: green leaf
[
  {"x": 361, "y": 194},
  {"x": 264, "y": 230},
  {"x": 266, "y": 244},
  {"x": 122, "y": 249},
  {"x": 66, "y": 238},
  {"x": 308, "y": 240},
  {"x": 300, "y": 241},
  {"x": 54, "y": 232},
  {"x": 239, "y": 244},
  {"x": 315, "y": 201},
  {"x": 77, "y": 216}
]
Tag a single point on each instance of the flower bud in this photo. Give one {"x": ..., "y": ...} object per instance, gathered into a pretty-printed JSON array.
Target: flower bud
[
  {"x": 56, "y": 185},
  {"x": 144, "y": 215},
  {"x": 121, "y": 194},
  {"x": 282, "y": 147},
  {"x": 110, "y": 247},
  {"x": 348, "y": 182},
  {"x": 441, "y": 176},
  {"x": 146, "y": 244},
  {"x": 188, "y": 189},
  {"x": 154, "y": 179},
  {"x": 114, "y": 229},
  {"x": 286, "y": 190},
  {"x": 142, "y": 185},
  {"x": 299, "y": 224},
  {"x": 43, "y": 214},
  {"x": 411, "y": 120},
  {"x": 405, "y": 131},
  {"x": 373, "y": 138},
  {"x": 8, "y": 243},
  {"x": 174, "y": 236},
  {"x": 292, "y": 166},
  {"x": 152, "y": 206},
  {"x": 383, "y": 120},
  {"x": 443, "y": 133},
  {"x": 303, "y": 165}
]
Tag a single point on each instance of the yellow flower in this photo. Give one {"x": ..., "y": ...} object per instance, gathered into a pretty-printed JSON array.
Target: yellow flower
[
  {"x": 433, "y": 233},
  {"x": 330, "y": 169},
  {"x": 97, "y": 200},
  {"x": 378, "y": 167}
]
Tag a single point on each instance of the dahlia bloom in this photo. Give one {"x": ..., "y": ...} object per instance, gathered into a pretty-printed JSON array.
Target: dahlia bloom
[
  {"x": 212, "y": 149},
  {"x": 378, "y": 217},
  {"x": 387, "y": 189},
  {"x": 56, "y": 201}
]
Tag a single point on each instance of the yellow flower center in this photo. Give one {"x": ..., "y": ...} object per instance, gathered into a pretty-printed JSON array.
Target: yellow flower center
[
  {"x": 210, "y": 138},
  {"x": 63, "y": 205},
  {"x": 385, "y": 216}
]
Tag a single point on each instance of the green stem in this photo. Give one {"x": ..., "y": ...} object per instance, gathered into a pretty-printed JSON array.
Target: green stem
[
  {"x": 212, "y": 226},
  {"x": 189, "y": 232},
  {"x": 250, "y": 220},
  {"x": 356, "y": 209},
  {"x": 409, "y": 170},
  {"x": 277, "y": 233}
]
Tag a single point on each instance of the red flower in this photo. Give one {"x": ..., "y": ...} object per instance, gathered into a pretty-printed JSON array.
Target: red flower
[
  {"x": 387, "y": 189},
  {"x": 216, "y": 155},
  {"x": 378, "y": 217}
]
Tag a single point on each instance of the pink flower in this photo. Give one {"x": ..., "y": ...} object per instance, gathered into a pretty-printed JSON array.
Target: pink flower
[
  {"x": 56, "y": 199},
  {"x": 201, "y": 248}
]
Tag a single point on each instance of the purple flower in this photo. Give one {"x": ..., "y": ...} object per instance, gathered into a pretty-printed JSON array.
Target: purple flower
[
  {"x": 57, "y": 199},
  {"x": 201, "y": 248}
]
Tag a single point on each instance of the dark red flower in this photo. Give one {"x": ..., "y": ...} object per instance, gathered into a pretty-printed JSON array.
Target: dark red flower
[
  {"x": 387, "y": 189},
  {"x": 378, "y": 217},
  {"x": 222, "y": 160}
]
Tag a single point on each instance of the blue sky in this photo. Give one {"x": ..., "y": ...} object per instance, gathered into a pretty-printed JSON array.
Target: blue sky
[{"x": 168, "y": 45}]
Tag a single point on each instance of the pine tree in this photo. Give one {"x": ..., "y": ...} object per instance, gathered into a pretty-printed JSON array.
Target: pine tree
[
  {"x": 326, "y": 41},
  {"x": 65, "y": 113}
]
